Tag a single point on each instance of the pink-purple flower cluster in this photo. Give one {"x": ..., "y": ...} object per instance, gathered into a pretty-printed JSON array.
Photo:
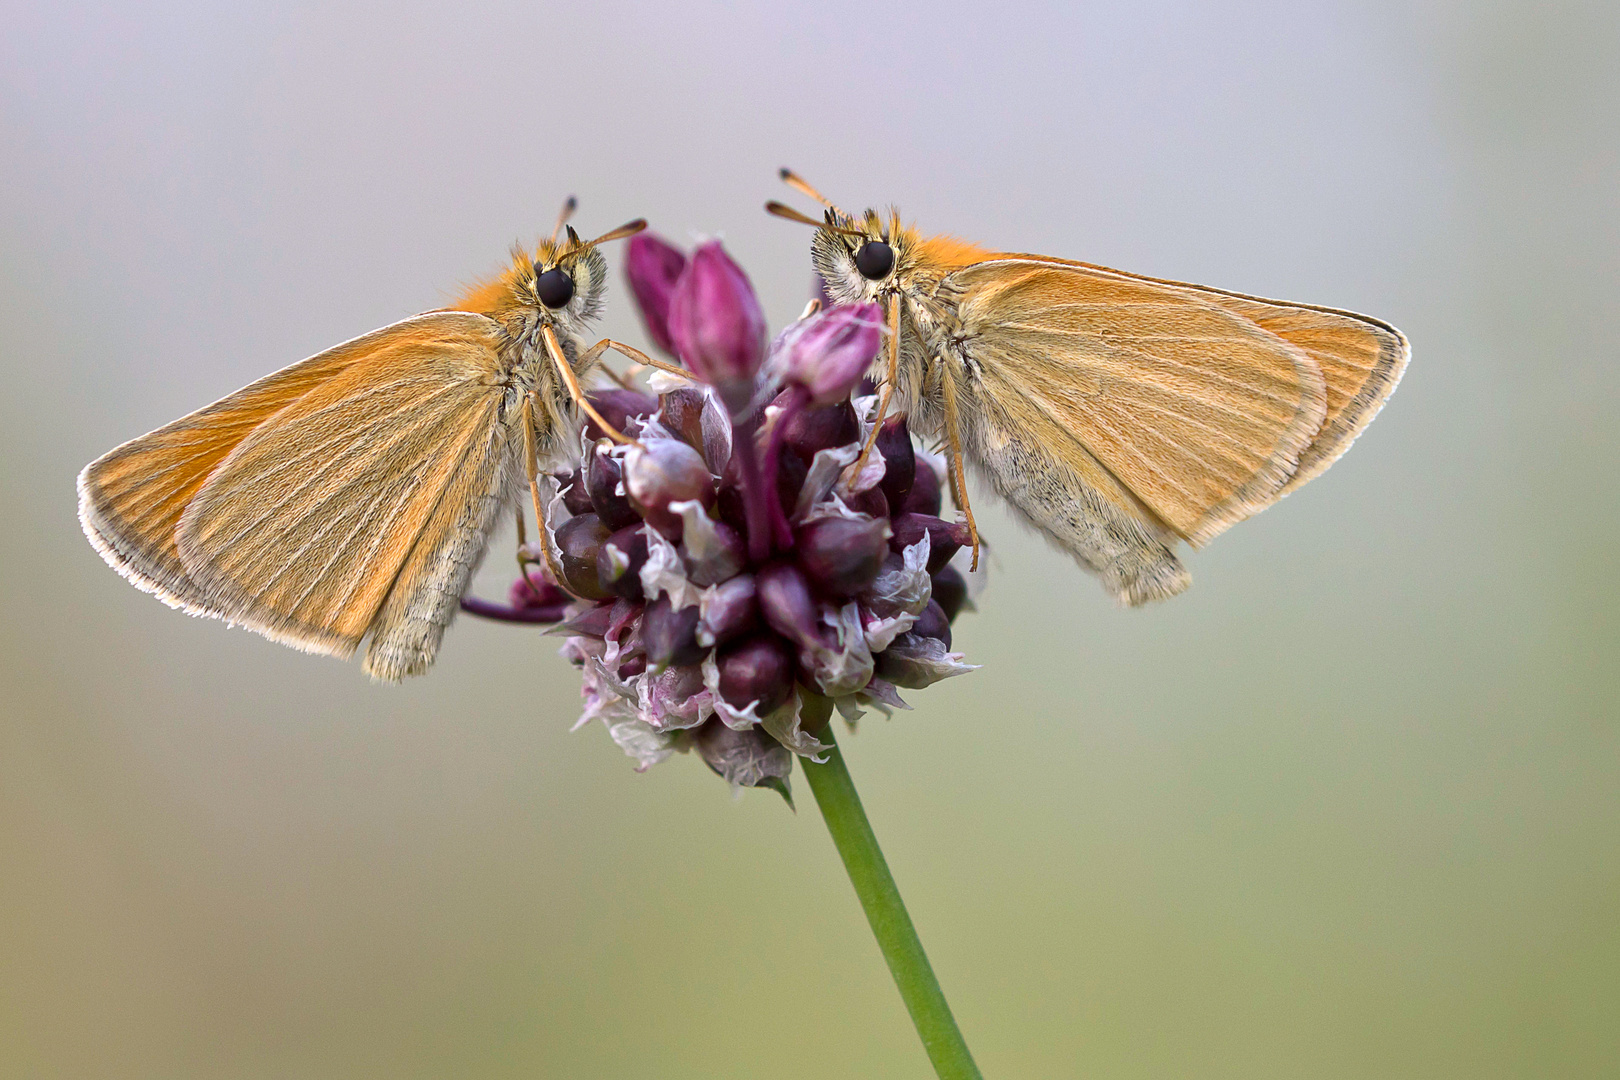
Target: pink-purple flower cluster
[{"x": 739, "y": 570}]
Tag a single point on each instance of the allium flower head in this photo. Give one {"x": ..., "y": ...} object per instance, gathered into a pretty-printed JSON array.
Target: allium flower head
[{"x": 734, "y": 574}]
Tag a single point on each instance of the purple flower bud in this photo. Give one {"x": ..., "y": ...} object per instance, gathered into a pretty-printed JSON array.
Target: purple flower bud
[
  {"x": 682, "y": 413},
  {"x": 925, "y": 496},
  {"x": 950, "y": 589},
  {"x": 759, "y": 668},
  {"x": 632, "y": 667},
  {"x": 579, "y": 541},
  {"x": 829, "y": 352},
  {"x": 932, "y": 623},
  {"x": 617, "y": 407},
  {"x": 747, "y": 758},
  {"x": 670, "y": 636},
  {"x": 533, "y": 594},
  {"x": 658, "y": 472},
  {"x": 787, "y": 604},
  {"x": 574, "y": 493},
  {"x": 840, "y": 555},
  {"x": 869, "y": 502},
  {"x": 652, "y": 267},
  {"x": 593, "y": 621},
  {"x": 716, "y": 324},
  {"x": 619, "y": 561},
  {"x": 730, "y": 610},
  {"x": 820, "y": 428},
  {"x": 603, "y": 478},
  {"x": 711, "y": 550},
  {"x": 894, "y": 443},
  {"x": 946, "y": 538}
]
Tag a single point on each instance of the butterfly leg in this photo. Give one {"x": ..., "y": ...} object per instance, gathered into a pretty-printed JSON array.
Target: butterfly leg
[
  {"x": 595, "y": 352},
  {"x": 888, "y": 384},
  {"x": 567, "y": 372},
  {"x": 531, "y": 469},
  {"x": 958, "y": 478}
]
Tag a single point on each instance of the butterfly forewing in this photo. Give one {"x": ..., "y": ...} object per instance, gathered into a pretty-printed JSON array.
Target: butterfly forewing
[
  {"x": 1198, "y": 411},
  {"x": 1361, "y": 360},
  {"x": 301, "y": 532},
  {"x": 131, "y": 498}
]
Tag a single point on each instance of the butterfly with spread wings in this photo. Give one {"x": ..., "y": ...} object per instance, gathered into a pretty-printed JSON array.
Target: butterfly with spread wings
[
  {"x": 352, "y": 494},
  {"x": 1119, "y": 414}
]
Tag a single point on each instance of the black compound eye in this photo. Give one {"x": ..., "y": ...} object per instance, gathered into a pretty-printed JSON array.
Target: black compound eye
[
  {"x": 554, "y": 288},
  {"x": 874, "y": 260}
]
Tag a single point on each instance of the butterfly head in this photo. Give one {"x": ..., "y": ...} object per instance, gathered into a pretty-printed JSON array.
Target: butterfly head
[
  {"x": 870, "y": 258},
  {"x": 560, "y": 283}
]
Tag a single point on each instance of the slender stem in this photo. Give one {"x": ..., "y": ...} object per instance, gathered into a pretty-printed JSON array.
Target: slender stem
[
  {"x": 489, "y": 609},
  {"x": 756, "y": 488},
  {"x": 797, "y": 398},
  {"x": 886, "y": 912}
]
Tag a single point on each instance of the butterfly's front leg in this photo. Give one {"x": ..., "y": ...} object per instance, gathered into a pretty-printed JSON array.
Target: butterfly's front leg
[
  {"x": 953, "y": 443},
  {"x": 889, "y": 380},
  {"x": 566, "y": 370},
  {"x": 531, "y": 471},
  {"x": 594, "y": 354}
]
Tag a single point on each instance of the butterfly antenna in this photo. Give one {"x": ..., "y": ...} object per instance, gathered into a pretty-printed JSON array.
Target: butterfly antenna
[
  {"x": 568, "y": 207},
  {"x": 629, "y": 228},
  {"x": 782, "y": 210},
  {"x": 799, "y": 184}
]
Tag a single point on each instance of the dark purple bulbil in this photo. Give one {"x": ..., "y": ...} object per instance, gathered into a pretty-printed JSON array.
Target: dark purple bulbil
[{"x": 736, "y": 577}]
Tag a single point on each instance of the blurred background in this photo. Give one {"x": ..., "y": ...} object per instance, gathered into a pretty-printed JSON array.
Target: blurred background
[{"x": 1349, "y": 808}]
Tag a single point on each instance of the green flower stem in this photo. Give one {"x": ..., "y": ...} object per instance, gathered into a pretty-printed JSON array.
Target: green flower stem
[{"x": 863, "y": 859}]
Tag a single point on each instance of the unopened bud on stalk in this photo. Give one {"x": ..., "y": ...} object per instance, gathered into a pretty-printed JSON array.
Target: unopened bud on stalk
[
  {"x": 670, "y": 635},
  {"x": 619, "y": 561},
  {"x": 579, "y": 541},
  {"x": 730, "y": 610},
  {"x": 829, "y": 352},
  {"x": 840, "y": 555},
  {"x": 617, "y": 407},
  {"x": 950, "y": 590},
  {"x": 820, "y": 427},
  {"x": 946, "y": 538},
  {"x": 787, "y": 604},
  {"x": 931, "y": 623},
  {"x": 533, "y": 594},
  {"x": 894, "y": 443},
  {"x": 604, "y": 480},
  {"x": 758, "y": 669},
  {"x": 716, "y": 324},
  {"x": 925, "y": 496},
  {"x": 576, "y": 497},
  {"x": 658, "y": 472}
]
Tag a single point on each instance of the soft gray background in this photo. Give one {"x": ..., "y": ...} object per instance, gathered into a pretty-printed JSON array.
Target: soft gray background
[{"x": 1347, "y": 809}]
